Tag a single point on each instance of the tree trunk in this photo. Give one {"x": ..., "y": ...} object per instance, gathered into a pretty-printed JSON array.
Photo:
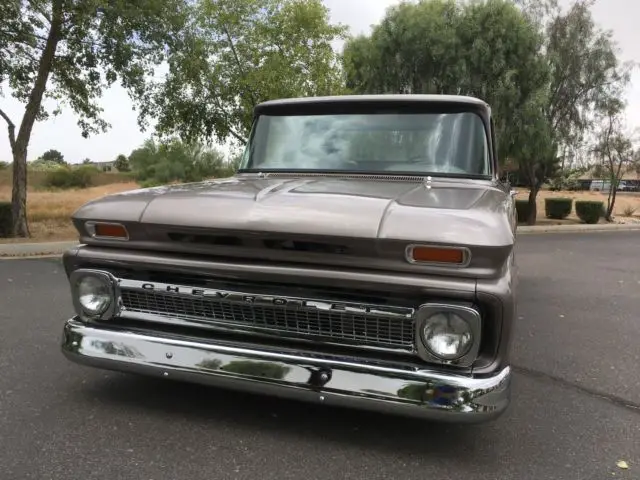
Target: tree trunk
[
  {"x": 19, "y": 191},
  {"x": 19, "y": 194},
  {"x": 533, "y": 208},
  {"x": 611, "y": 203}
]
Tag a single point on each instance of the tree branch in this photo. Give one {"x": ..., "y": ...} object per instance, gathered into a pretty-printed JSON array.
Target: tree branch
[
  {"x": 237, "y": 59},
  {"x": 14, "y": 37},
  {"x": 11, "y": 128},
  {"x": 44, "y": 68},
  {"x": 42, "y": 12},
  {"x": 237, "y": 136}
]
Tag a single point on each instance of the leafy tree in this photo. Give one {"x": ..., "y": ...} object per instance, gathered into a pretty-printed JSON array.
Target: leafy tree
[
  {"x": 585, "y": 76},
  {"x": 86, "y": 161},
  {"x": 53, "y": 156},
  {"x": 483, "y": 49},
  {"x": 122, "y": 163},
  {"x": 544, "y": 72},
  {"x": 537, "y": 156},
  {"x": 69, "y": 51},
  {"x": 174, "y": 161},
  {"x": 614, "y": 148},
  {"x": 238, "y": 53},
  {"x": 4, "y": 165}
]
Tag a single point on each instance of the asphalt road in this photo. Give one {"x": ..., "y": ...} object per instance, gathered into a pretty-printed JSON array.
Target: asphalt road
[{"x": 576, "y": 354}]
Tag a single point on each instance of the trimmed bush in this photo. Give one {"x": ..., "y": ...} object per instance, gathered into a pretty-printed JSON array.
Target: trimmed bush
[
  {"x": 5, "y": 219},
  {"x": 557, "y": 208},
  {"x": 589, "y": 211},
  {"x": 522, "y": 209}
]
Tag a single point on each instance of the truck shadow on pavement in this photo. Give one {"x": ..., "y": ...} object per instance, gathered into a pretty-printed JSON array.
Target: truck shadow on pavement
[{"x": 171, "y": 400}]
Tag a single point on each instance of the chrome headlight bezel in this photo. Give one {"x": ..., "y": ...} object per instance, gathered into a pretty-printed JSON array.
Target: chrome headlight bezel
[
  {"x": 108, "y": 280},
  {"x": 468, "y": 313}
]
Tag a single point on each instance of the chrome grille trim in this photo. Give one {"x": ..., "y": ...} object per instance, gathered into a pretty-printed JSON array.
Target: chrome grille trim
[{"x": 334, "y": 322}]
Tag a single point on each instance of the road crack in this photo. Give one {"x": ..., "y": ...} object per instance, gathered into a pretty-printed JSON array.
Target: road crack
[{"x": 615, "y": 399}]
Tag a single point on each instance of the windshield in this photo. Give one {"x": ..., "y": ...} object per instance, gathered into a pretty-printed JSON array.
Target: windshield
[{"x": 420, "y": 143}]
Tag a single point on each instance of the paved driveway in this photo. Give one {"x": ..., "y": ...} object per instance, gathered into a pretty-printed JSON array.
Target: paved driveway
[{"x": 576, "y": 353}]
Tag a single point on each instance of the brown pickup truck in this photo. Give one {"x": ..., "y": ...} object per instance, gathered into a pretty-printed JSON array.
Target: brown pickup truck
[{"x": 362, "y": 256}]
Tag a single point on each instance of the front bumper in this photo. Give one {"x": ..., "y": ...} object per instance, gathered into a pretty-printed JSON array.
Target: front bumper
[{"x": 320, "y": 379}]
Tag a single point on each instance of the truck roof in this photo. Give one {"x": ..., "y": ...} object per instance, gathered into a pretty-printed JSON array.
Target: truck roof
[{"x": 341, "y": 102}]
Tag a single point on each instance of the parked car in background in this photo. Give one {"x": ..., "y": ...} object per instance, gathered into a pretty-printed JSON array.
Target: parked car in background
[
  {"x": 363, "y": 256},
  {"x": 629, "y": 186}
]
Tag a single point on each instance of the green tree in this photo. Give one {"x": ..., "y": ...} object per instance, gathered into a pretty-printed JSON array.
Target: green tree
[
  {"x": 544, "y": 72},
  {"x": 122, "y": 163},
  {"x": 53, "y": 156},
  {"x": 86, "y": 161},
  {"x": 238, "y": 53},
  {"x": 484, "y": 49},
  {"x": 614, "y": 149},
  {"x": 537, "y": 153},
  {"x": 585, "y": 77},
  {"x": 69, "y": 51},
  {"x": 174, "y": 161}
]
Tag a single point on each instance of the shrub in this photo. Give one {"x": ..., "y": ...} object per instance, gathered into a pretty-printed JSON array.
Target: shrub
[
  {"x": 84, "y": 175},
  {"x": 44, "y": 165},
  {"x": 629, "y": 210},
  {"x": 589, "y": 211},
  {"x": 65, "y": 178},
  {"x": 522, "y": 209},
  {"x": 5, "y": 219},
  {"x": 557, "y": 208}
]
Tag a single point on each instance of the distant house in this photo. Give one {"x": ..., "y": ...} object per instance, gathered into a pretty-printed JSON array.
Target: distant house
[{"x": 104, "y": 166}]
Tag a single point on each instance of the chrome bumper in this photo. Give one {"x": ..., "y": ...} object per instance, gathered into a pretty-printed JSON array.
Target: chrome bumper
[{"x": 329, "y": 380}]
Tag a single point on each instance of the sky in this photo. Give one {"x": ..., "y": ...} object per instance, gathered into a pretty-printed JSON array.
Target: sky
[{"x": 62, "y": 133}]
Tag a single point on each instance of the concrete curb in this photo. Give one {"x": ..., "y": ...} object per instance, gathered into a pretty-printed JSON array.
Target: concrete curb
[
  {"x": 22, "y": 250},
  {"x": 11, "y": 250},
  {"x": 580, "y": 228}
]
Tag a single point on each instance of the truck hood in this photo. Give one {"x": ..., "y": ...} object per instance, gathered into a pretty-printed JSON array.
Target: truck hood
[{"x": 460, "y": 212}]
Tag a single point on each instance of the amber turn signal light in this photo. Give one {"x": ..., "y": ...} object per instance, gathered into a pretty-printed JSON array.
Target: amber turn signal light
[
  {"x": 448, "y": 255},
  {"x": 108, "y": 230}
]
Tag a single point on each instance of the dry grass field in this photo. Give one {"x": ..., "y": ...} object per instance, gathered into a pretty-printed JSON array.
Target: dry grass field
[{"x": 49, "y": 211}]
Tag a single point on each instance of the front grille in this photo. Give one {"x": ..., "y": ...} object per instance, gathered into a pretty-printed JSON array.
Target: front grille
[{"x": 344, "y": 327}]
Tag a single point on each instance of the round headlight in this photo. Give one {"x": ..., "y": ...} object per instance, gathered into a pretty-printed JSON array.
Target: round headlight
[
  {"x": 94, "y": 294},
  {"x": 447, "y": 336}
]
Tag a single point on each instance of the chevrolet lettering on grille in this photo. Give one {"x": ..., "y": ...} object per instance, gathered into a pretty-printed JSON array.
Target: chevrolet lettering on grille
[{"x": 254, "y": 299}]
